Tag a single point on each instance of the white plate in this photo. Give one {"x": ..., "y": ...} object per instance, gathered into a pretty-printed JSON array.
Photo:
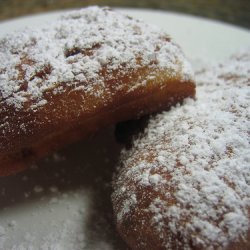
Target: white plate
[{"x": 65, "y": 203}]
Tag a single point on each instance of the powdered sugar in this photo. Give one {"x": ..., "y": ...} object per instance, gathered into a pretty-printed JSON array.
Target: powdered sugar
[
  {"x": 73, "y": 52},
  {"x": 201, "y": 151},
  {"x": 129, "y": 203}
]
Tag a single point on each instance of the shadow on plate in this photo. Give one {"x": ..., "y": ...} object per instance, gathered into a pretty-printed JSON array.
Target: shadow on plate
[{"x": 88, "y": 165}]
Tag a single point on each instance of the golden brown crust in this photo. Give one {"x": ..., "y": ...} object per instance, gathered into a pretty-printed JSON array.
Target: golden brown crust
[
  {"x": 91, "y": 68},
  {"x": 64, "y": 121}
]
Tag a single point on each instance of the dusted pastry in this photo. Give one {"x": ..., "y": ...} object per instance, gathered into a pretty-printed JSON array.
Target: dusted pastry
[
  {"x": 185, "y": 182},
  {"x": 91, "y": 68}
]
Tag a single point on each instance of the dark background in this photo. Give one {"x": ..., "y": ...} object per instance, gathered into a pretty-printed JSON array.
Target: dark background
[{"x": 231, "y": 11}]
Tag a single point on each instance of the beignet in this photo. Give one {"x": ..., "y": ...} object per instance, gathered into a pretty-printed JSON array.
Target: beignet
[
  {"x": 89, "y": 69},
  {"x": 185, "y": 182}
]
